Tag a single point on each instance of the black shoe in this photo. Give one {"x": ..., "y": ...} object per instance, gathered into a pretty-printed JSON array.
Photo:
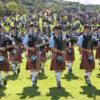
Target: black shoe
[
  {"x": 42, "y": 70},
  {"x": 58, "y": 84},
  {"x": 18, "y": 70},
  {"x": 35, "y": 80},
  {"x": 14, "y": 73},
  {"x": 87, "y": 81},
  {"x": 89, "y": 84},
  {"x": 70, "y": 71},
  {"x": 1, "y": 85},
  {"x": 85, "y": 77},
  {"x": 5, "y": 81},
  {"x": 34, "y": 84}
]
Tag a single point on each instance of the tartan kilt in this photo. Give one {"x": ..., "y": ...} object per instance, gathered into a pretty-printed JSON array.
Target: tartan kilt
[
  {"x": 42, "y": 56},
  {"x": 84, "y": 62},
  {"x": 54, "y": 65},
  {"x": 97, "y": 53},
  {"x": 29, "y": 64},
  {"x": 5, "y": 66},
  {"x": 70, "y": 57},
  {"x": 18, "y": 57}
]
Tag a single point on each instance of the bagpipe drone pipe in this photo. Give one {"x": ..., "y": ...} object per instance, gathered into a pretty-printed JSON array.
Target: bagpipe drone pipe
[{"x": 32, "y": 40}]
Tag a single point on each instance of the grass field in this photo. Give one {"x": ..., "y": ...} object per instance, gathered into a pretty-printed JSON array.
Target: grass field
[{"x": 20, "y": 87}]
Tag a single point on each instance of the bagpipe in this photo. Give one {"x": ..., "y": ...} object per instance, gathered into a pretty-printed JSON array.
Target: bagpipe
[
  {"x": 32, "y": 40},
  {"x": 89, "y": 41},
  {"x": 44, "y": 42},
  {"x": 7, "y": 42},
  {"x": 71, "y": 40},
  {"x": 17, "y": 38}
]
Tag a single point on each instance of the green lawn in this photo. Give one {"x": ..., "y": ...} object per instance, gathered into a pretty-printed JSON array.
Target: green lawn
[{"x": 20, "y": 87}]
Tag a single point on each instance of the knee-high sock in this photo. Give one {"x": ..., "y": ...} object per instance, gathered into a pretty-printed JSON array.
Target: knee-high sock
[
  {"x": 69, "y": 65},
  {"x": 88, "y": 74},
  {"x": 33, "y": 76},
  {"x": 13, "y": 67},
  {"x": 58, "y": 76}
]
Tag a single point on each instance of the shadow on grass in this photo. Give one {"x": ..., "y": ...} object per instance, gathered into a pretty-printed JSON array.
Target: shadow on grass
[
  {"x": 29, "y": 92},
  {"x": 42, "y": 76},
  {"x": 98, "y": 75},
  {"x": 2, "y": 94},
  {"x": 13, "y": 77},
  {"x": 91, "y": 92},
  {"x": 57, "y": 93},
  {"x": 71, "y": 76}
]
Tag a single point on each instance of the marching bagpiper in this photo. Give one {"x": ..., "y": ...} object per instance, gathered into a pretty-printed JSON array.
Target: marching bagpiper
[
  {"x": 86, "y": 44},
  {"x": 5, "y": 44},
  {"x": 33, "y": 63},
  {"x": 70, "y": 55},
  {"x": 42, "y": 40},
  {"x": 15, "y": 56},
  {"x": 79, "y": 39},
  {"x": 57, "y": 46},
  {"x": 98, "y": 47}
]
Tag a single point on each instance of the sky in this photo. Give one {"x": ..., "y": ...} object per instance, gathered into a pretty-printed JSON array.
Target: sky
[{"x": 87, "y": 1}]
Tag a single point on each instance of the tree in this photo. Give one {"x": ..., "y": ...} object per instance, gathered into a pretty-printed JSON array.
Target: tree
[
  {"x": 23, "y": 9},
  {"x": 12, "y": 7},
  {"x": 2, "y": 8}
]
